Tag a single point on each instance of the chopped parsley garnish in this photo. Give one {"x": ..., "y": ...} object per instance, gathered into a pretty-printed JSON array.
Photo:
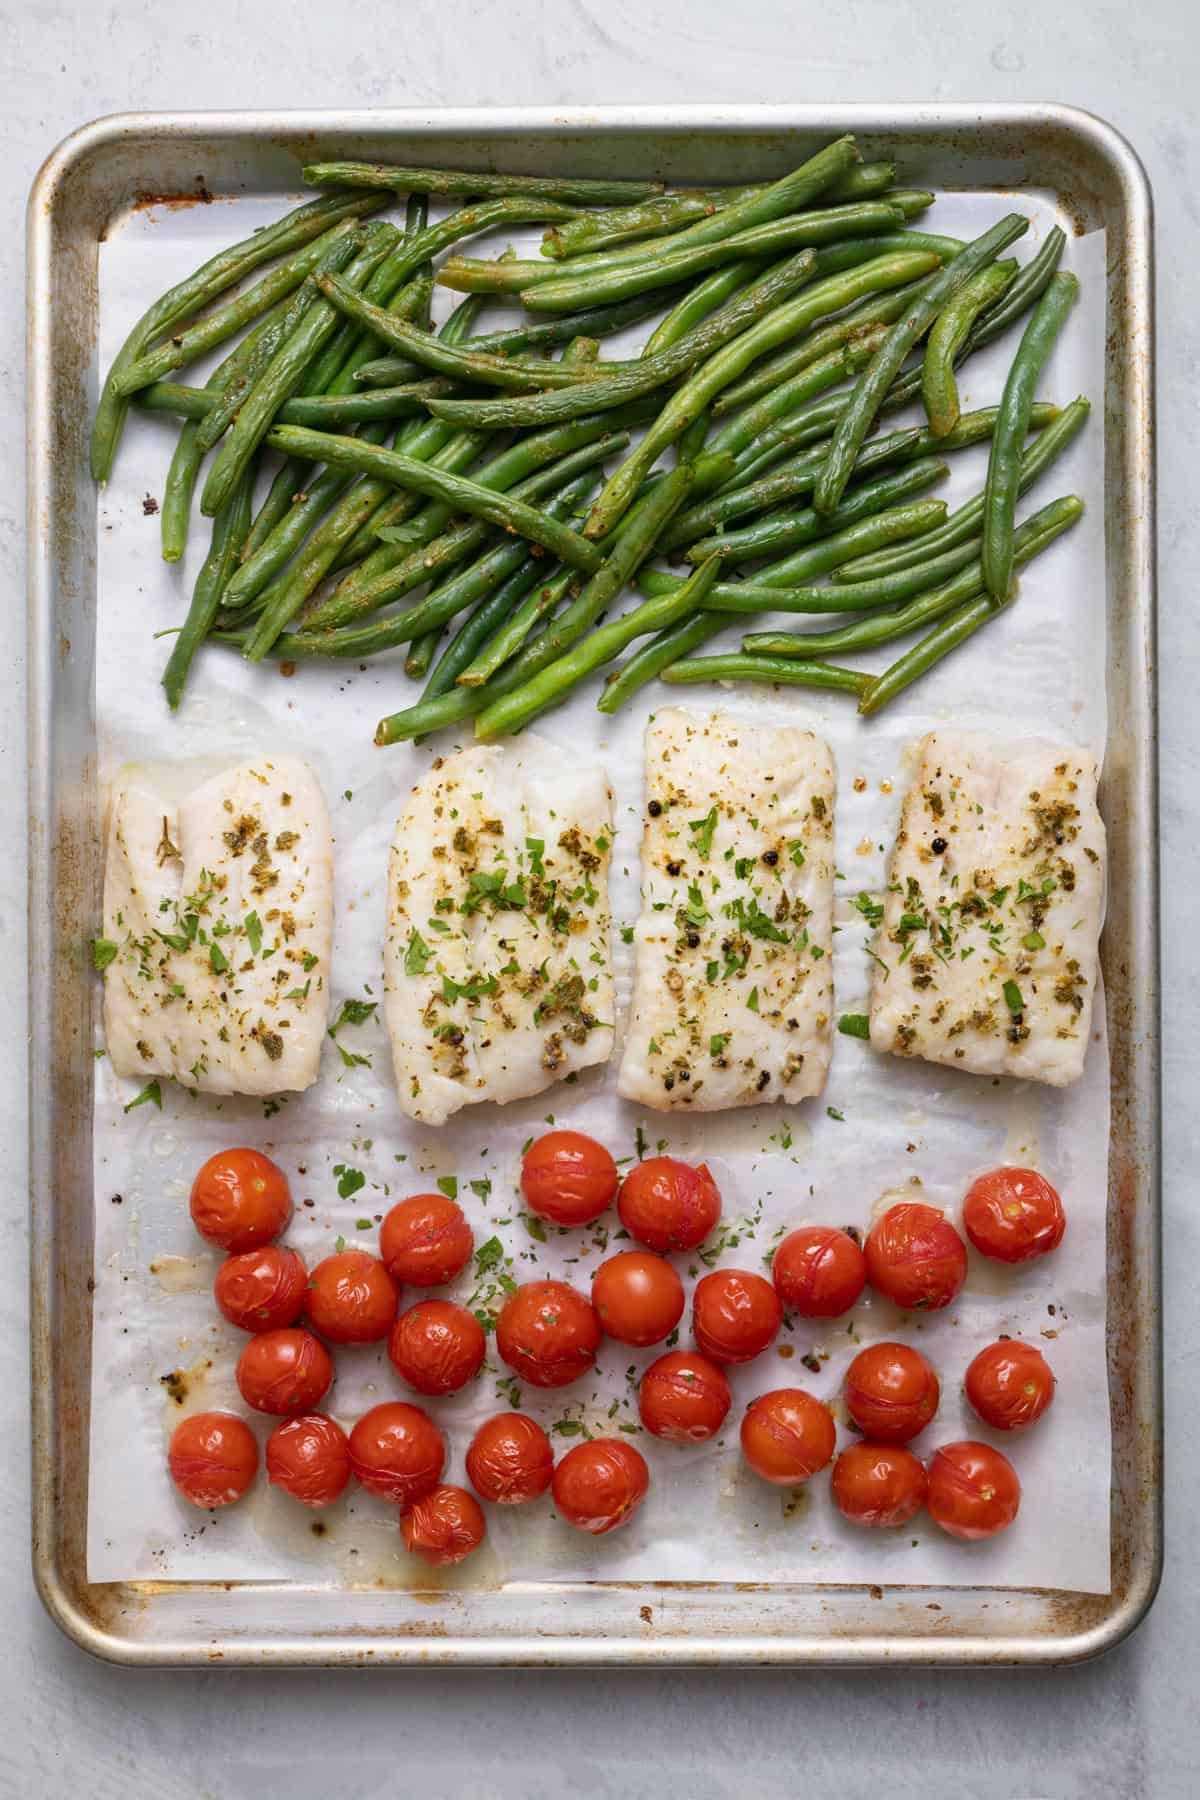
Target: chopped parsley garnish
[
  {"x": 353, "y": 1012},
  {"x": 103, "y": 952},
  {"x": 448, "y": 1185},
  {"x": 349, "y": 1181},
  {"x": 253, "y": 932},
  {"x": 488, "y": 1256},
  {"x": 1013, "y": 1000},
  {"x": 703, "y": 831},
  {"x": 717, "y": 1043},
  {"x": 855, "y": 1025},
  {"x": 534, "y": 1227},
  {"x": 796, "y": 853},
  {"x": 752, "y": 1000},
  {"x": 871, "y": 910},
  {"x": 833, "y": 1113},
  {"x": 416, "y": 957},
  {"x": 217, "y": 959},
  {"x": 151, "y": 1092},
  {"x": 1033, "y": 940},
  {"x": 481, "y": 1188},
  {"x": 627, "y": 934}
]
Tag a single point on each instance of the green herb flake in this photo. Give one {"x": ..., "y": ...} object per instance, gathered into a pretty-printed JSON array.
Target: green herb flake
[
  {"x": 488, "y": 1256},
  {"x": 703, "y": 830},
  {"x": 1033, "y": 940},
  {"x": 717, "y": 1043},
  {"x": 481, "y": 1188},
  {"x": 253, "y": 928},
  {"x": 104, "y": 951},
  {"x": 1013, "y": 1000},
  {"x": 349, "y": 1180},
  {"x": 448, "y": 1185},
  {"x": 752, "y": 1000},
  {"x": 151, "y": 1092},
  {"x": 856, "y": 1025},
  {"x": 833, "y": 1113},
  {"x": 416, "y": 956}
]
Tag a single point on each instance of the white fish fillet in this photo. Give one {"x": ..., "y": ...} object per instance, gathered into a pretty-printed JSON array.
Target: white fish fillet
[
  {"x": 733, "y": 993},
  {"x": 988, "y": 950},
  {"x": 497, "y": 964},
  {"x": 219, "y": 909}
]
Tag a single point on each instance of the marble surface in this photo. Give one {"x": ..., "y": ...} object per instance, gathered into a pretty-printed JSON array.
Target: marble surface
[{"x": 1120, "y": 1729}]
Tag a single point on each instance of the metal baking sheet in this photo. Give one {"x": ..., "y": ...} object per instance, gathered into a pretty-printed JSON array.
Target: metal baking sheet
[{"x": 1093, "y": 180}]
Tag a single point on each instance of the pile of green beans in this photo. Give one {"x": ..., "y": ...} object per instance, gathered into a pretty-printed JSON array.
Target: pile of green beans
[{"x": 445, "y": 482}]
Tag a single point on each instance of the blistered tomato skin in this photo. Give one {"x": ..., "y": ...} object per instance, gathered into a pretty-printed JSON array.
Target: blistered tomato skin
[
  {"x": 568, "y": 1178},
  {"x": 669, "y": 1205},
  {"x": 819, "y": 1272},
  {"x": 283, "y": 1372},
  {"x": 638, "y": 1297},
  {"x": 437, "y": 1347},
  {"x": 261, "y": 1290},
  {"x": 351, "y": 1298},
  {"x": 878, "y": 1485},
  {"x": 891, "y": 1392},
  {"x": 973, "y": 1490},
  {"x": 548, "y": 1333},
  {"x": 735, "y": 1315},
  {"x": 444, "y": 1527},
  {"x": 787, "y": 1436},
  {"x": 1013, "y": 1215},
  {"x": 426, "y": 1241},
  {"x": 398, "y": 1452},
  {"x": 599, "y": 1486},
  {"x": 915, "y": 1258},
  {"x": 683, "y": 1398},
  {"x": 213, "y": 1458},
  {"x": 240, "y": 1199},
  {"x": 309, "y": 1458},
  {"x": 509, "y": 1460},
  {"x": 1010, "y": 1385}
]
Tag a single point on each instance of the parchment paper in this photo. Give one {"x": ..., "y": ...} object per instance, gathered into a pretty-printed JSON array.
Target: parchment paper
[{"x": 905, "y": 1128}]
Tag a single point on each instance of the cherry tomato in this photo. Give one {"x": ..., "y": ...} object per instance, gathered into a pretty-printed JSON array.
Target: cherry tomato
[
  {"x": 351, "y": 1298},
  {"x": 437, "y": 1347},
  {"x": 284, "y": 1371},
  {"x": 240, "y": 1199},
  {"x": 213, "y": 1458},
  {"x": 787, "y": 1435},
  {"x": 819, "y": 1272},
  {"x": 397, "y": 1451},
  {"x": 1010, "y": 1385},
  {"x": 445, "y": 1526},
  {"x": 638, "y": 1296},
  {"x": 548, "y": 1332},
  {"x": 1013, "y": 1215},
  {"x": 973, "y": 1490},
  {"x": 891, "y": 1392},
  {"x": 426, "y": 1241},
  {"x": 669, "y": 1205},
  {"x": 509, "y": 1460},
  {"x": 599, "y": 1486},
  {"x": 735, "y": 1315},
  {"x": 915, "y": 1257},
  {"x": 568, "y": 1178},
  {"x": 878, "y": 1484},
  {"x": 309, "y": 1458},
  {"x": 260, "y": 1290},
  {"x": 683, "y": 1397}
]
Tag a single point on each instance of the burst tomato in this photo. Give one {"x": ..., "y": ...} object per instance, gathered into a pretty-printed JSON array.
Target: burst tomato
[
  {"x": 735, "y": 1315},
  {"x": 878, "y": 1485},
  {"x": 669, "y": 1205},
  {"x": 891, "y": 1392},
  {"x": 284, "y": 1372},
  {"x": 818, "y": 1271},
  {"x": 509, "y": 1460},
  {"x": 261, "y": 1290},
  {"x": 1010, "y": 1385},
  {"x": 638, "y": 1297},
  {"x": 213, "y": 1458},
  {"x": 787, "y": 1435},
  {"x": 1013, "y": 1215},
  {"x": 599, "y": 1486},
  {"x": 437, "y": 1347},
  {"x": 973, "y": 1490},
  {"x": 351, "y": 1298},
  {"x": 444, "y": 1526},
  {"x": 568, "y": 1178},
  {"x": 398, "y": 1452},
  {"x": 683, "y": 1397},
  {"x": 915, "y": 1257},
  {"x": 309, "y": 1458},
  {"x": 240, "y": 1199},
  {"x": 426, "y": 1241},
  {"x": 548, "y": 1332}
]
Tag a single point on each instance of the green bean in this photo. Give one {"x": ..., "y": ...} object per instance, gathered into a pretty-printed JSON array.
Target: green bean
[
  {"x": 541, "y": 600},
  {"x": 741, "y": 597},
  {"x": 947, "y": 337},
  {"x": 1004, "y": 464},
  {"x": 421, "y": 653},
  {"x": 552, "y": 683},
  {"x": 645, "y": 376},
  {"x": 581, "y": 353},
  {"x": 1035, "y": 459},
  {"x": 181, "y": 476},
  {"x": 402, "y": 179},
  {"x": 908, "y": 521},
  {"x": 323, "y": 412},
  {"x": 229, "y": 528},
  {"x": 873, "y": 384},
  {"x": 780, "y": 671},
  {"x": 728, "y": 363},
  {"x": 698, "y": 302},
  {"x": 667, "y": 648},
  {"x": 1030, "y": 284},
  {"x": 888, "y": 591},
  {"x": 648, "y": 218},
  {"x": 785, "y": 529},
  {"x": 187, "y": 297},
  {"x": 691, "y": 441}
]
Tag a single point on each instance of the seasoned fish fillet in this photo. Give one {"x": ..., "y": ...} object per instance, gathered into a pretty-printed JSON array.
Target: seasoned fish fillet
[
  {"x": 497, "y": 964},
  {"x": 218, "y": 919},
  {"x": 733, "y": 993},
  {"x": 987, "y": 954}
]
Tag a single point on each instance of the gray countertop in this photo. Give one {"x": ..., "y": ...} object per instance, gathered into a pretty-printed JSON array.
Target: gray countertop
[{"x": 1120, "y": 1729}]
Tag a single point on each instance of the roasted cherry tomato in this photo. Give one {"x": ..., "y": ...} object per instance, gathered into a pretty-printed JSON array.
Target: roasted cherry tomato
[
  {"x": 445, "y": 1526},
  {"x": 351, "y": 1298},
  {"x": 638, "y": 1297},
  {"x": 819, "y": 1272},
  {"x": 397, "y": 1451},
  {"x": 915, "y": 1257},
  {"x": 240, "y": 1199},
  {"x": 735, "y": 1315},
  {"x": 683, "y": 1397},
  {"x": 261, "y": 1290},
  {"x": 878, "y": 1484},
  {"x": 1010, "y": 1385},
  {"x": 891, "y": 1392},
  {"x": 600, "y": 1485},
  {"x": 509, "y": 1460},
  {"x": 426, "y": 1241},
  {"x": 548, "y": 1332},
  {"x": 437, "y": 1347},
  {"x": 787, "y": 1435},
  {"x": 1013, "y": 1215},
  {"x": 284, "y": 1372},
  {"x": 213, "y": 1458},
  {"x": 669, "y": 1205},
  {"x": 973, "y": 1490},
  {"x": 309, "y": 1458},
  {"x": 568, "y": 1178}
]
